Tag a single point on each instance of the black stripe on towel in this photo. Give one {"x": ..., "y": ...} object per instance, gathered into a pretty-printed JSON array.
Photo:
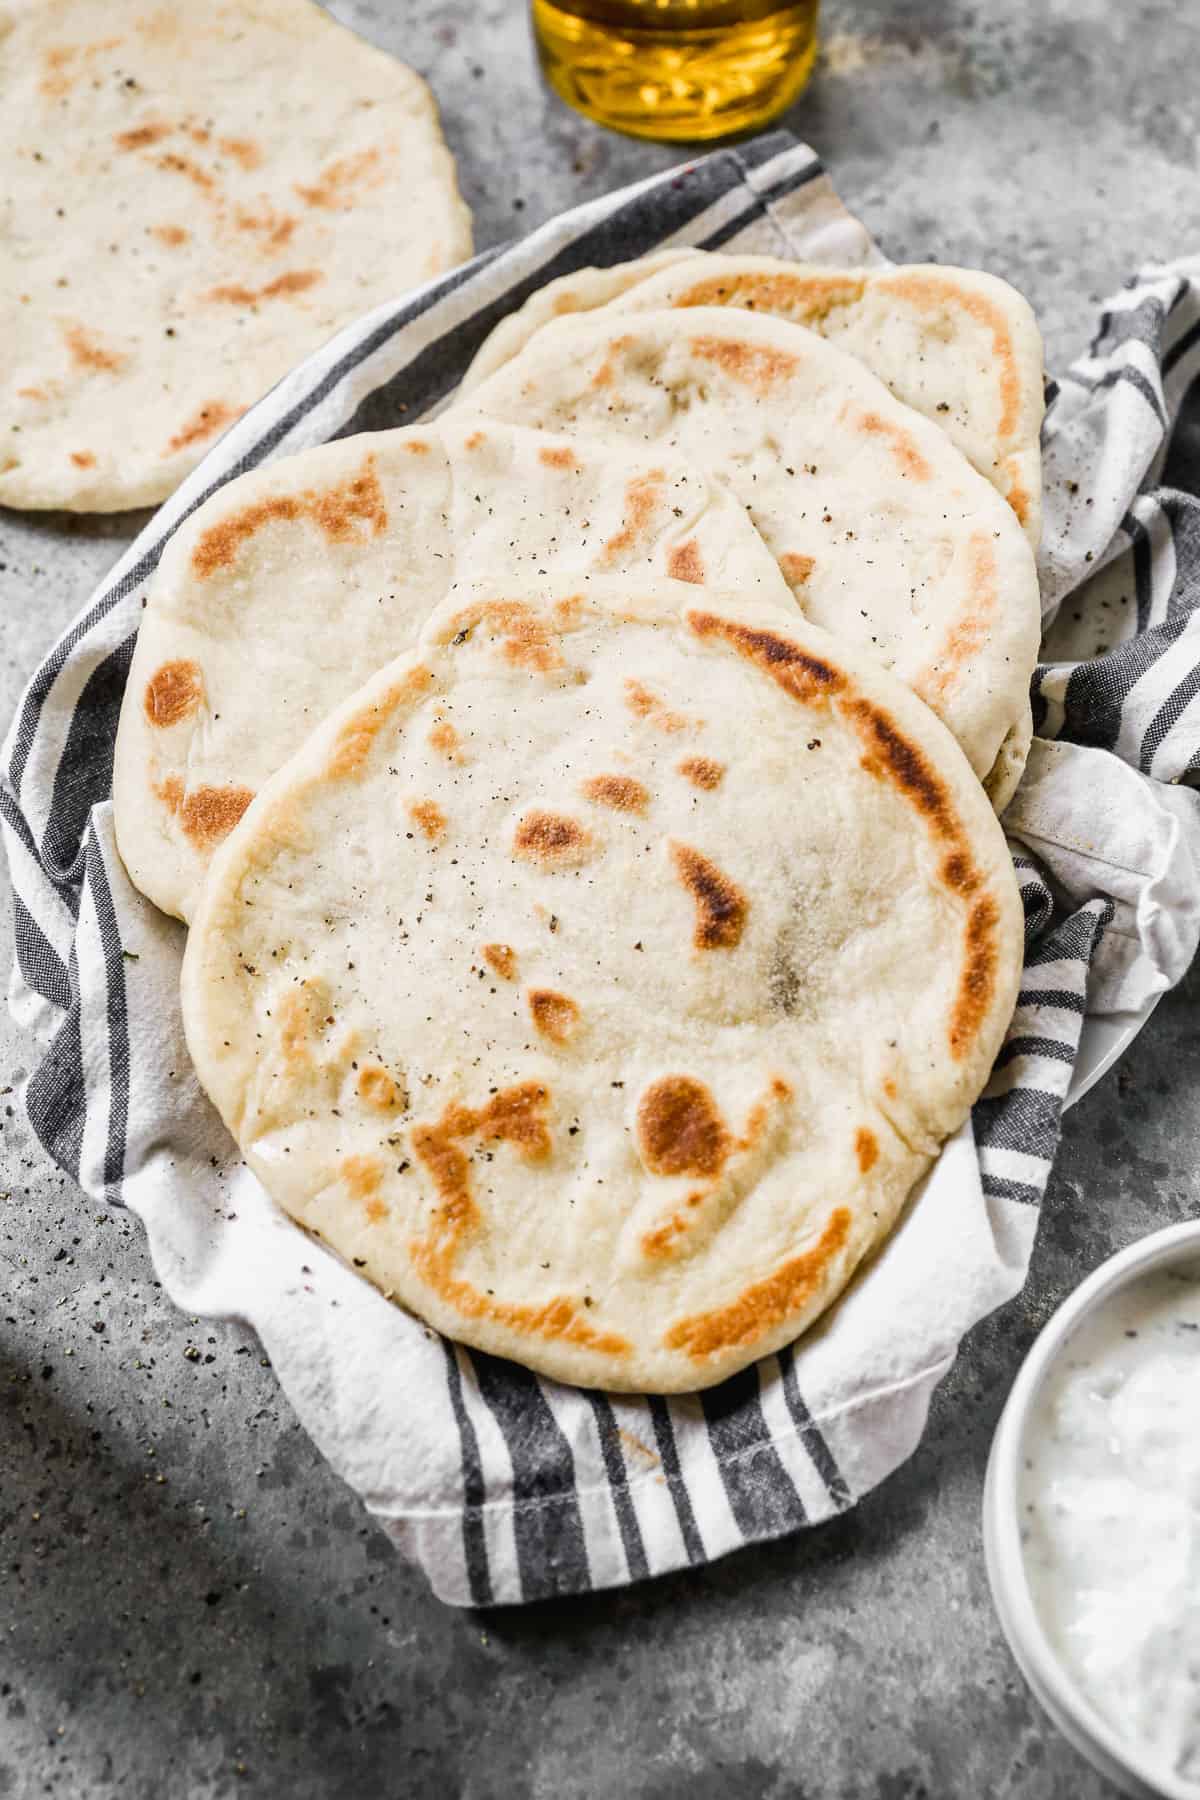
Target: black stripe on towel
[
  {"x": 83, "y": 778},
  {"x": 1062, "y": 998},
  {"x": 997, "y": 1188},
  {"x": 42, "y": 969},
  {"x": 116, "y": 1020},
  {"x": 1034, "y": 1046},
  {"x": 475, "y": 1555},
  {"x": 762, "y": 1495},
  {"x": 1025, "y": 1119},
  {"x": 1190, "y": 337},
  {"x": 1167, "y": 717},
  {"x": 618, "y": 1481},
  {"x": 56, "y": 1093},
  {"x": 664, "y": 1434},
  {"x": 823, "y": 1459},
  {"x": 551, "y": 1549}
]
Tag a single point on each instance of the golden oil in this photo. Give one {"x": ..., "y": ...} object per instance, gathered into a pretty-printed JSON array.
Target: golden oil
[{"x": 677, "y": 69}]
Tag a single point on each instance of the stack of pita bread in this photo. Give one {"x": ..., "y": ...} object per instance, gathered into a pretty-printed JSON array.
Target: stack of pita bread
[{"x": 584, "y": 805}]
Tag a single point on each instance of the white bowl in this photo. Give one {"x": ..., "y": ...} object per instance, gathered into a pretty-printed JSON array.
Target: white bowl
[{"x": 1123, "y": 1762}]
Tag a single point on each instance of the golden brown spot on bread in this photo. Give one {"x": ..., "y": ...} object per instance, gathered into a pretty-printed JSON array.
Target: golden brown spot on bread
[
  {"x": 445, "y": 740},
  {"x": 704, "y": 1210},
  {"x": 58, "y": 78},
  {"x": 31, "y": 393},
  {"x": 702, "y": 771},
  {"x": 552, "y": 839},
  {"x": 930, "y": 291},
  {"x": 866, "y": 1149},
  {"x": 517, "y": 1116},
  {"x": 894, "y": 758},
  {"x": 207, "y": 814},
  {"x": 429, "y": 818},
  {"x": 958, "y": 872},
  {"x": 664, "y": 1240},
  {"x": 764, "y": 1305},
  {"x": 646, "y": 704},
  {"x": 243, "y": 150},
  {"x": 754, "y": 365},
  {"x": 276, "y": 227},
  {"x": 889, "y": 1087},
  {"x": 416, "y": 446},
  {"x": 721, "y": 907},
  {"x": 680, "y": 1129},
  {"x": 345, "y": 512},
  {"x": 83, "y": 459},
  {"x": 977, "y": 984},
  {"x": 210, "y": 418},
  {"x": 88, "y": 351},
  {"x": 333, "y": 187},
  {"x": 140, "y": 136},
  {"x": 807, "y": 678},
  {"x": 555, "y": 1015},
  {"x": 298, "y": 1015},
  {"x": 620, "y": 792},
  {"x": 568, "y": 609},
  {"x": 358, "y": 733},
  {"x": 173, "y": 692},
  {"x": 559, "y": 456},
  {"x": 183, "y": 165},
  {"x": 199, "y": 134},
  {"x": 170, "y": 235},
  {"x": 362, "y": 1175},
  {"x": 796, "y": 568},
  {"x": 643, "y": 496},
  {"x": 502, "y": 958},
  {"x": 685, "y": 563},
  {"x": 376, "y": 1088},
  {"x": 527, "y": 639},
  {"x": 899, "y": 442},
  {"x": 55, "y": 80},
  {"x": 292, "y": 281},
  {"x": 476, "y": 441},
  {"x": 968, "y": 635},
  {"x": 806, "y": 298},
  {"x": 1015, "y": 492}
]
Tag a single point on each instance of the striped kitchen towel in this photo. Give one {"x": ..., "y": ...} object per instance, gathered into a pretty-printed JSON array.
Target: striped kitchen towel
[{"x": 505, "y": 1487}]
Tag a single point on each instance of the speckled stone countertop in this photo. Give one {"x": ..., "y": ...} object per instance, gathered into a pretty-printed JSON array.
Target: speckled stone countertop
[{"x": 190, "y": 1603}]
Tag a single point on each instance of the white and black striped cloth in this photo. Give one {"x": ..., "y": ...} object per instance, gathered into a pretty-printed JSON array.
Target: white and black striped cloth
[{"x": 506, "y": 1487}]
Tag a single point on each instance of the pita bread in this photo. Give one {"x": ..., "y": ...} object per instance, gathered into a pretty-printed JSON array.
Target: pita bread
[
  {"x": 959, "y": 346},
  {"x": 583, "y": 291},
  {"x": 196, "y": 197},
  {"x": 616, "y": 1043},
  {"x": 889, "y": 539},
  {"x": 290, "y": 586}
]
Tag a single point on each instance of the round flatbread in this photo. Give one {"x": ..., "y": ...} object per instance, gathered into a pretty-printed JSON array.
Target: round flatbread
[
  {"x": 614, "y": 1040},
  {"x": 958, "y": 345},
  {"x": 291, "y": 586},
  {"x": 888, "y": 538},
  {"x": 196, "y": 197}
]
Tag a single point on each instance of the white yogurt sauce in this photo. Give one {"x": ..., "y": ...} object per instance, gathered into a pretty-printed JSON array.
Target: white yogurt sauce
[{"x": 1110, "y": 1510}]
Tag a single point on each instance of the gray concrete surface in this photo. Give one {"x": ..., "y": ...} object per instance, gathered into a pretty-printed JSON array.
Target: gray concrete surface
[{"x": 190, "y": 1603}]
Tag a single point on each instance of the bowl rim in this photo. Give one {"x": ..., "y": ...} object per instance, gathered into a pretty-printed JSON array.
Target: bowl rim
[{"x": 1039, "y": 1662}]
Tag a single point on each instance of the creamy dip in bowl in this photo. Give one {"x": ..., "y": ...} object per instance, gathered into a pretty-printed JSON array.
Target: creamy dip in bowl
[{"x": 1092, "y": 1516}]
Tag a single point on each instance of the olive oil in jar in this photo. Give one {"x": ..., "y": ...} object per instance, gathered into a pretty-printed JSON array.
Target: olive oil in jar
[{"x": 677, "y": 69}]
